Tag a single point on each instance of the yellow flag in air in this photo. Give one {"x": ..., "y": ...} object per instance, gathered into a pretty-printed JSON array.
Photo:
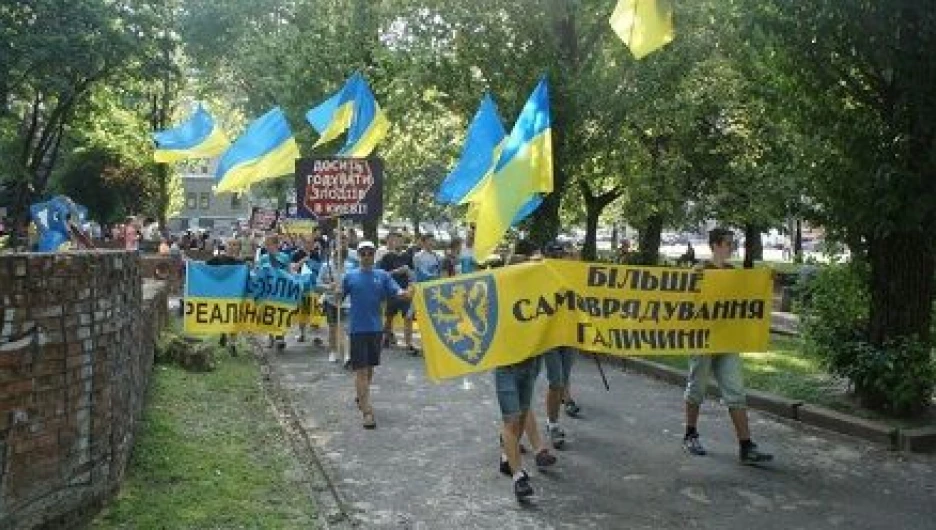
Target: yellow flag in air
[{"x": 644, "y": 25}]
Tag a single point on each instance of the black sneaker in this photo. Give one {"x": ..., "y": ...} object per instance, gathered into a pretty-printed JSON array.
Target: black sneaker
[
  {"x": 522, "y": 488},
  {"x": 751, "y": 455},
  {"x": 692, "y": 445},
  {"x": 413, "y": 350},
  {"x": 544, "y": 458},
  {"x": 572, "y": 409},
  {"x": 505, "y": 467}
]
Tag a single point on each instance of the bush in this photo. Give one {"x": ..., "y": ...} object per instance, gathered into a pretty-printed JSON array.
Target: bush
[{"x": 897, "y": 377}]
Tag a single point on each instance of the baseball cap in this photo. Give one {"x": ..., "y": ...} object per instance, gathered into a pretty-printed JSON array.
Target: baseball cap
[{"x": 366, "y": 244}]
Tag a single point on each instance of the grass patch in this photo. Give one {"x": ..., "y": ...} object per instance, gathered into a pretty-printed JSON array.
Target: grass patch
[
  {"x": 781, "y": 370},
  {"x": 210, "y": 455},
  {"x": 785, "y": 370}
]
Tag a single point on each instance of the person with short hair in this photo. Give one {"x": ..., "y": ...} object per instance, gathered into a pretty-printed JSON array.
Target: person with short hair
[
  {"x": 451, "y": 263},
  {"x": 514, "y": 385},
  {"x": 367, "y": 287},
  {"x": 330, "y": 276},
  {"x": 726, "y": 367},
  {"x": 397, "y": 263}
]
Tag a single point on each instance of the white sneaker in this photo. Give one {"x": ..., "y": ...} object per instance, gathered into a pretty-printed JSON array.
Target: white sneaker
[{"x": 332, "y": 357}]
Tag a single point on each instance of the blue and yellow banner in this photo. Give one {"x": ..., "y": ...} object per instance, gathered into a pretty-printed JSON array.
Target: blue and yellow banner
[
  {"x": 232, "y": 299},
  {"x": 500, "y": 317}
]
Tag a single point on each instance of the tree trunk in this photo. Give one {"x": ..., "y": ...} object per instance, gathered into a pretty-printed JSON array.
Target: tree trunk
[
  {"x": 648, "y": 239},
  {"x": 545, "y": 224},
  {"x": 902, "y": 268},
  {"x": 753, "y": 246},
  {"x": 798, "y": 242},
  {"x": 594, "y": 205}
]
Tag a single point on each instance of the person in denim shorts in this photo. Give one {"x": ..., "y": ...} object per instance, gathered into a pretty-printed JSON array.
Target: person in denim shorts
[
  {"x": 558, "y": 370},
  {"x": 726, "y": 368},
  {"x": 514, "y": 386}
]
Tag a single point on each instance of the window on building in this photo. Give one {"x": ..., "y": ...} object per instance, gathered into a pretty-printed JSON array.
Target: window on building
[
  {"x": 205, "y": 201},
  {"x": 237, "y": 201},
  {"x": 191, "y": 200}
]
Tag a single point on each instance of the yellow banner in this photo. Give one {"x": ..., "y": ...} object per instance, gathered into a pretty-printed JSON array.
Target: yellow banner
[
  {"x": 478, "y": 321},
  {"x": 311, "y": 311},
  {"x": 209, "y": 316},
  {"x": 298, "y": 226}
]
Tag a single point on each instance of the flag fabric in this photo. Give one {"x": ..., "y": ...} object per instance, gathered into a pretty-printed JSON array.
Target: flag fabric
[
  {"x": 644, "y": 25},
  {"x": 197, "y": 137},
  {"x": 333, "y": 116},
  {"x": 523, "y": 171},
  {"x": 369, "y": 124},
  {"x": 267, "y": 149},
  {"x": 479, "y": 154},
  {"x": 353, "y": 108}
]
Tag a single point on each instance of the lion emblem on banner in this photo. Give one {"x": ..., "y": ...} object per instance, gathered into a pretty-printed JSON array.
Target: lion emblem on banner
[{"x": 464, "y": 316}]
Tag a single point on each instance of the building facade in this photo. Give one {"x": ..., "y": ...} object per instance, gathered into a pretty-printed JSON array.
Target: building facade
[{"x": 203, "y": 209}]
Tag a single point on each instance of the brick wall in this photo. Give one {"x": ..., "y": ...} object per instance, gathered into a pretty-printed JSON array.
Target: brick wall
[{"x": 77, "y": 332}]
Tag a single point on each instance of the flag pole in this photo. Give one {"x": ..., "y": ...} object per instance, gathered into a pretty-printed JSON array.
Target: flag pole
[{"x": 339, "y": 267}]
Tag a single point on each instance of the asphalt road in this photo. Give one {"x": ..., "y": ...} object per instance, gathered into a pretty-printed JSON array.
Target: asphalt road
[{"x": 432, "y": 462}]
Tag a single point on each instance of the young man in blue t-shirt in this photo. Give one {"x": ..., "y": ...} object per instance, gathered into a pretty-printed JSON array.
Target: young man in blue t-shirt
[{"x": 368, "y": 288}]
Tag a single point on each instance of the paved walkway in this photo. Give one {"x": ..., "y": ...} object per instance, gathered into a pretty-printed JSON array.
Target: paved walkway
[{"x": 432, "y": 462}]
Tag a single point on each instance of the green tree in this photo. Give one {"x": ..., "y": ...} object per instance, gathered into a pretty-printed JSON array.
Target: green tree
[{"x": 863, "y": 74}]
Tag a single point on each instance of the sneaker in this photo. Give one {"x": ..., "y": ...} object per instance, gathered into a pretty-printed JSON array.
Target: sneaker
[
  {"x": 505, "y": 466},
  {"x": 347, "y": 364},
  {"x": 572, "y": 409},
  {"x": 332, "y": 357},
  {"x": 751, "y": 455},
  {"x": 369, "y": 421},
  {"x": 300, "y": 338},
  {"x": 693, "y": 446},
  {"x": 544, "y": 458},
  {"x": 317, "y": 341},
  {"x": 412, "y": 350},
  {"x": 556, "y": 435},
  {"x": 522, "y": 488}
]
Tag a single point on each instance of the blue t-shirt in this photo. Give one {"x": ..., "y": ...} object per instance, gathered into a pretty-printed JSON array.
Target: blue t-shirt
[{"x": 367, "y": 290}]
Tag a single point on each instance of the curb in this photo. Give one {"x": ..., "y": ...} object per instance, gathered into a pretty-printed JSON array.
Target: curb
[{"x": 919, "y": 440}]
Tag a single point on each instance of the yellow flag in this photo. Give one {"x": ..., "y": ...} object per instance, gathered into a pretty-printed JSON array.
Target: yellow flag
[
  {"x": 478, "y": 321},
  {"x": 644, "y": 25}
]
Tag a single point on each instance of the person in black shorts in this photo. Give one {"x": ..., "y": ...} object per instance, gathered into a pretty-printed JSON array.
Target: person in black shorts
[{"x": 399, "y": 265}]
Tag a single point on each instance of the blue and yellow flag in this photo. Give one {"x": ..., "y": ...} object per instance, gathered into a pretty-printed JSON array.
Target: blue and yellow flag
[
  {"x": 267, "y": 149},
  {"x": 482, "y": 147},
  {"x": 369, "y": 123},
  {"x": 353, "y": 109},
  {"x": 197, "y": 137},
  {"x": 333, "y": 116},
  {"x": 644, "y": 25},
  {"x": 523, "y": 171}
]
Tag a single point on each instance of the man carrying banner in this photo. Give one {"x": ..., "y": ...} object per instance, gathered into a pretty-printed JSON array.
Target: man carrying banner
[
  {"x": 397, "y": 263},
  {"x": 271, "y": 256},
  {"x": 726, "y": 367},
  {"x": 514, "y": 386},
  {"x": 367, "y": 287}
]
